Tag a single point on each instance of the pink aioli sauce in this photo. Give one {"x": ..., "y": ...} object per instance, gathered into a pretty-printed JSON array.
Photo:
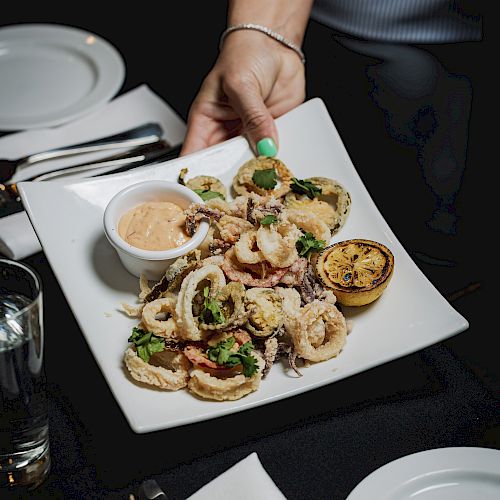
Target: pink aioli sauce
[{"x": 154, "y": 225}]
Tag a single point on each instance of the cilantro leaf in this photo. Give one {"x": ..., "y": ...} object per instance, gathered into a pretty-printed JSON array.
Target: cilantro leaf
[
  {"x": 305, "y": 187},
  {"x": 223, "y": 356},
  {"x": 211, "y": 311},
  {"x": 146, "y": 343},
  {"x": 268, "y": 219},
  {"x": 307, "y": 244},
  {"x": 266, "y": 179},
  {"x": 249, "y": 365},
  {"x": 206, "y": 194}
]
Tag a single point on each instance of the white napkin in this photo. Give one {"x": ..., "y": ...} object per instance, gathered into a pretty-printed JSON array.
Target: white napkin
[
  {"x": 138, "y": 106},
  {"x": 246, "y": 480}
]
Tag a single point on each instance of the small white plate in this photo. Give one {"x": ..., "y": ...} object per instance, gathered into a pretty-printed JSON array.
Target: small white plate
[
  {"x": 67, "y": 217},
  {"x": 51, "y": 74},
  {"x": 462, "y": 473}
]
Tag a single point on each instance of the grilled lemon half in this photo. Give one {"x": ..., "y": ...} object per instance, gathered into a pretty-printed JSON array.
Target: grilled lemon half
[{"x": 357, "y": 271}]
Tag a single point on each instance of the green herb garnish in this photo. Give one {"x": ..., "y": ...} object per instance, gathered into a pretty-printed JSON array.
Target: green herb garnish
[
  {"x": 146, "y": 343},
  {"x": 305, "y": 187},
  {"x": 211, "y": 312},
  {"x": 266, "y": 179},
  {"x": 308, "y": 243},
  {"x": 206, "y": 194},
  {"x": 223, "y": 356},
  {"x": 268, "y": 219}
]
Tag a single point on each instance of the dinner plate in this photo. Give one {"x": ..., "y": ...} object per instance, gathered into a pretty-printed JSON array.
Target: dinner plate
[
  {"x": 461, "y": 473},
  {"x": 67, "y": 218},
  {"x": 51, "y": 74}
]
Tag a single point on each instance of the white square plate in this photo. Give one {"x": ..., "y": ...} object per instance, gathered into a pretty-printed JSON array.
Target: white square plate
[{"x": 67, "y": 217}]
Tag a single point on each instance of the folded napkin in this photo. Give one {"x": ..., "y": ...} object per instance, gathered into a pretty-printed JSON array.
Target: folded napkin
[
  {"x": 246, "y": 480},
  {"x": 138, "y": 106}
]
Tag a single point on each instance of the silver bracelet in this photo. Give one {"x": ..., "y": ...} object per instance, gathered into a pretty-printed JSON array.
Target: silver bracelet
[{"x": 268, "y": 32}]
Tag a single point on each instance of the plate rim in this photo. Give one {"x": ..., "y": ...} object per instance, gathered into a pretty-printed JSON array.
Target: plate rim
[
  {"x": 99, "y": 95},
  {"x": 424, "y": 463}
]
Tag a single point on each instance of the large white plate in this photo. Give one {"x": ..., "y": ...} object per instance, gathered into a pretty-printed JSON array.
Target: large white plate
[
  {"x": 462, "y": 473},
  {"x": 52, "y": 74},
  {"x": 410, "y": 315}
]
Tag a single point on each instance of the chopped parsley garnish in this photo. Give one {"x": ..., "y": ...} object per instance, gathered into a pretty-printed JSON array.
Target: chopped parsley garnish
[
  {"x": 266, "y": 179},
  {"x": 222, "y": 355},
  {"x": 206, "y": 194},
  {"x": 211, "y": 311},
  {"x": 146, "y": 343},
  {"x": 307, "y": 244},
  {"x": 305, "y": 187},
  {"x": 268, "y": 219}
]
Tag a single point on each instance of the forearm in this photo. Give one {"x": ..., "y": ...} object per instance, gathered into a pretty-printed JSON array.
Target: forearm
[{"x": 287, "y": 17}]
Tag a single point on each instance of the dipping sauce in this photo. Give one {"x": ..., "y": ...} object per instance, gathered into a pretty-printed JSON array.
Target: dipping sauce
[{"x": 154, "y": 225}]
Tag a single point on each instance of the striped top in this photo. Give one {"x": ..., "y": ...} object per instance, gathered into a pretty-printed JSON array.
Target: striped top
[{"x": 409, "y": 21}]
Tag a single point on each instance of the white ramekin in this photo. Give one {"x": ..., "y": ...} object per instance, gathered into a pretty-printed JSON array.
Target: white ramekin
[{"x": 150, "y": 263}]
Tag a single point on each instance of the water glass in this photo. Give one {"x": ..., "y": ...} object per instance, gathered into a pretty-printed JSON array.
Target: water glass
[{"x": 24, "y": 437}]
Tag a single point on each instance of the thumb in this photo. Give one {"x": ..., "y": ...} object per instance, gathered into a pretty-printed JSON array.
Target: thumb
[{"x": 257, "y": 121}]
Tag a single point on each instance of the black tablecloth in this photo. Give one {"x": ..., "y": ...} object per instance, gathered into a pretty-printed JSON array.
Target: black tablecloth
[{"x": 319, "y": 444}]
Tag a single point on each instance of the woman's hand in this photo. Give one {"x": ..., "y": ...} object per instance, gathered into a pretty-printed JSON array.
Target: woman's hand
[{"x": 254, "y": 80}]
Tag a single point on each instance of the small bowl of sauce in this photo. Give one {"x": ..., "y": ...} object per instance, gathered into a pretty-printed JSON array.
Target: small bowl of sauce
[{"x": 145, "y": 224}]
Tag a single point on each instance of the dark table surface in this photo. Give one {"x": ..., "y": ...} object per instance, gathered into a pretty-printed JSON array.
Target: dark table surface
[{"x": 319, "y": 444}]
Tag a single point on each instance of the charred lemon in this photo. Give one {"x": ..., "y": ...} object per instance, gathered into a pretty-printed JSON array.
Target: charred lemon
[{"x": 357, "y": 271}]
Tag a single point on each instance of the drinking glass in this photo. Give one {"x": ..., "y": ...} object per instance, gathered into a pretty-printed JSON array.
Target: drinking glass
[{"x": 24, "y": 437}]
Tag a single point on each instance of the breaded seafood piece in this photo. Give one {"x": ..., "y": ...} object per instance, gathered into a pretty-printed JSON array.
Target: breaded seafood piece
[
  {"x": 208, "y": 386},
  {"x": 187, "y": 323},
  {"x": 166, "y": 328},
  {"x": 174, "y": 375},
  {"x": 308, "y": 222},
  {"x": 308, "y": 338}
]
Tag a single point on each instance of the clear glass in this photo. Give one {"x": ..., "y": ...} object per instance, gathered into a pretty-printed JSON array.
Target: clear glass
[{"x": 24, "y": 436}]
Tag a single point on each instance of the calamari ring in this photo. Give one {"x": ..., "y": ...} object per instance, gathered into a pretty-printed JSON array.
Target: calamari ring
[
  {"x": 266, "y": 311},
  {"x": 235, "y": 271},
  {"x": 163, "y": 328},
  {"x": 277, "y": 243},
  {"x": 233, "y": 292},
  {"x": 207, "y": 182},
  {"x": 243, "y": 183},
  {"x": 173, "y": 378},
  {"x": 243, "y": 248},
  {"x": 231, "y": 228},
  {"x": 335, "y": 331},
  {"x": 207, "y": 386},
  {"x": 308, "y": 222},
  {"x": 186, "y": 322}
]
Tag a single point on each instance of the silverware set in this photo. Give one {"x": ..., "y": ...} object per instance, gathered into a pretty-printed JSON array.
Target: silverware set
[{"x": 143, "y": 145}]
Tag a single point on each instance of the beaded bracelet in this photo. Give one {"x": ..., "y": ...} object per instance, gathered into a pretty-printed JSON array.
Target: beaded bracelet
[{"x": 268, "y": 32}]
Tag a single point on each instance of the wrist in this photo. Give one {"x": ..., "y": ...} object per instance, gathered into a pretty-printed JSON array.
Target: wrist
[
  {"x": 287, "y": 17},
  {"x": 251, "y": 33}
]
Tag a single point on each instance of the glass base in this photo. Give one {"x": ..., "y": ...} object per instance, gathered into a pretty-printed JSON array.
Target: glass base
[{"x": 25, "y": 470}]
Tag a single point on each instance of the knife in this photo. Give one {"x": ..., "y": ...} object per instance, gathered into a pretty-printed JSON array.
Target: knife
[{"x": 10, "y": 201}]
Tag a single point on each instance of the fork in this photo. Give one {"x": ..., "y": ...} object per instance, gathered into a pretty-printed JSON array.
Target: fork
[{"x": 137, "y": 136}]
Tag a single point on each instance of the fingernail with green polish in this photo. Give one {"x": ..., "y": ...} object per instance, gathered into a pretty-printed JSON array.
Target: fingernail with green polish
[{"x": 266, "y": 147}]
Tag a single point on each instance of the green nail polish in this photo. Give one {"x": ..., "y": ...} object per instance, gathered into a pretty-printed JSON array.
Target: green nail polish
[{"x": 266, "y": 147}]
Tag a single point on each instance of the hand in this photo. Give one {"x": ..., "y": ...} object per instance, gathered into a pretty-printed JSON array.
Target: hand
[{"x": 254, "y": 80}]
